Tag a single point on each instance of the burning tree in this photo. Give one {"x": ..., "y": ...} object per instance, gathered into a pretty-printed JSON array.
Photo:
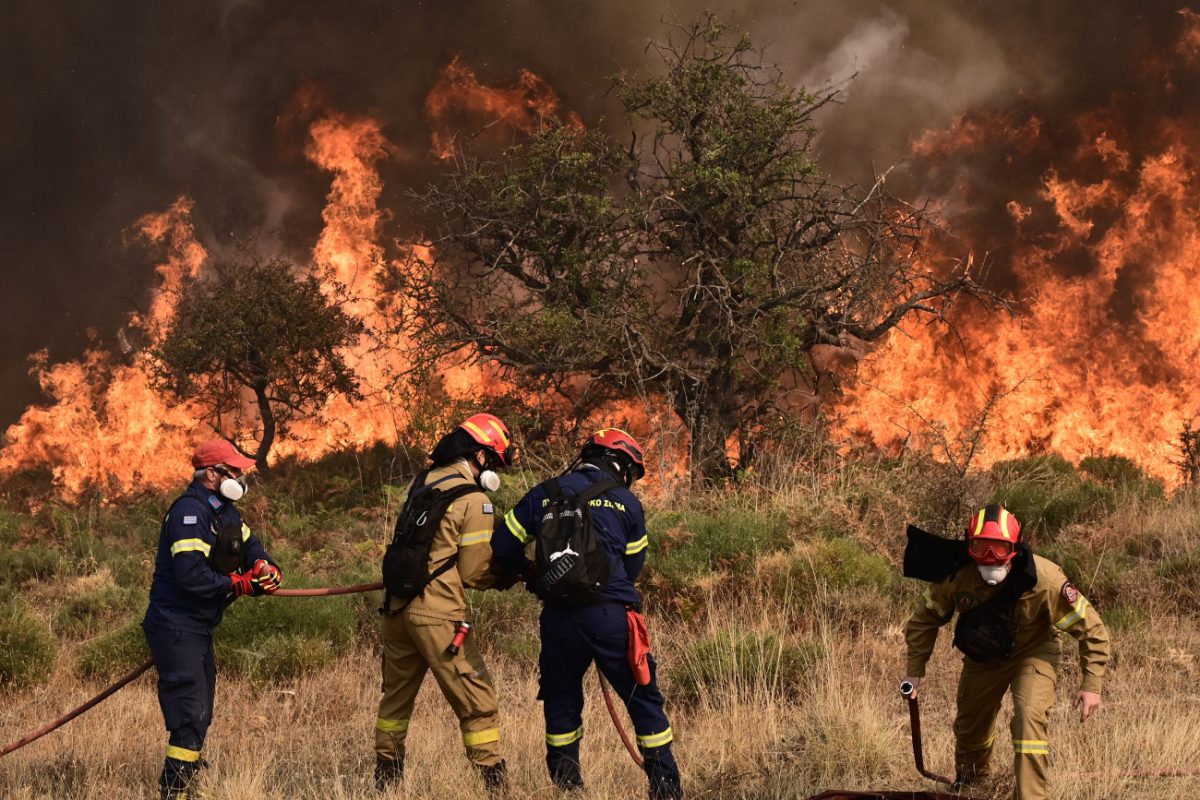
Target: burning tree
[
  {"x": 701, "y": 264},
  {"x": 258, "y": 347}
]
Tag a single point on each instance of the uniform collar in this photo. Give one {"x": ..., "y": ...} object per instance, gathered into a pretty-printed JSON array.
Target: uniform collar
[
  {"x": 210, "y": 498},
  {"x": 464, "y": 469}
]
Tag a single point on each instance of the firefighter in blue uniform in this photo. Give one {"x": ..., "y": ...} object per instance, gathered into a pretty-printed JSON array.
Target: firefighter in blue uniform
[
  {"x": 573, "y": 636},
  {"x": 207, "y": 557}
]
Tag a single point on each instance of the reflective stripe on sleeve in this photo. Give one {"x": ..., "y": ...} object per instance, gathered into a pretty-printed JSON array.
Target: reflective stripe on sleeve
[
  {"x": 564, "y": 739},
  {"x": 636, "y": 547},
  {"x": 391, "y": 725},
  {"x": 1031, "y": 747},
  {"x": 516, "y": 528},
  {"x": 655, "y": 739},
  {"x": 189, "y": 546},
  {"x": 931, "y": 604},
  {"x": 475, "y": 537},
  {"x": 245, "y": 532},
  {"x": 183, "y": 754},
  {"x": 1077, "y": 612},
  {"x": 476, "y": 738}
]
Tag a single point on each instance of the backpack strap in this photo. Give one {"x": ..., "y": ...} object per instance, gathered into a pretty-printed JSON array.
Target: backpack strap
[{"x": 453, "y": 494}]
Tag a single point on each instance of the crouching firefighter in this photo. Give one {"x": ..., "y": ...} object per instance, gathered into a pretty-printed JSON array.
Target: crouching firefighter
[
  {"x": 207, "y": 558},
  {"x": 442, "y": 544},
  {"x": 1012, "y": 605},
  {"x": 590, "y": 535}
]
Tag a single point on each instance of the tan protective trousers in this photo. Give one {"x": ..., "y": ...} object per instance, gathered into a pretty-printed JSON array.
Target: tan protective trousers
[
  {"x": 981, "y": 688},
  {"x": 413, "y": 645}
]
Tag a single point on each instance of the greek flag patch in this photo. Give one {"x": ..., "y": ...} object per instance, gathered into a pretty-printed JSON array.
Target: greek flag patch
[
  {"x": 487, "y": 508},
  {"x": 189, "y": 520}
]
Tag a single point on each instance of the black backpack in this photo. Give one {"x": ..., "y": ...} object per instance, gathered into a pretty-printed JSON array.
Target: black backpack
[
  {"x": 406, "y": 562},
  {"x": 987, "y": 632},
  {"x": 572, "y": 564}
]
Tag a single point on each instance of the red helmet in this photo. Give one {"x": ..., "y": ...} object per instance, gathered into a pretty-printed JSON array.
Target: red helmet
[
  {"x": 493, "y": 434},
  {"x": 992, "y": 535},
  {"x": 615, "y": 440}
]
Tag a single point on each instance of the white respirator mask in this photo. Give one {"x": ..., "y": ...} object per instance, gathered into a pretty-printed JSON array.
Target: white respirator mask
[
  {"x": 231, "y": 488},
  {"x": 489, "y": 480},
  {"x": 992, "y": 573}
]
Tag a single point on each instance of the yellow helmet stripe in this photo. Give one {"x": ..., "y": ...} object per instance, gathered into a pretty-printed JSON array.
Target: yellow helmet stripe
[
  {"x": 1004, "y": 523},
  {"x": 979, "y": 522}
]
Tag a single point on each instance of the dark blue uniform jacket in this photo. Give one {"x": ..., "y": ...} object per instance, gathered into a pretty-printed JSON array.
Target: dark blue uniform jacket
[
  {"x": 617, "y": 516},
  {"x": 187, "y": 594}
]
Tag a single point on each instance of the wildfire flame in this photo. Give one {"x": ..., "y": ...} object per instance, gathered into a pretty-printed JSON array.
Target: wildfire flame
[{"x": 1102, "y": 238}]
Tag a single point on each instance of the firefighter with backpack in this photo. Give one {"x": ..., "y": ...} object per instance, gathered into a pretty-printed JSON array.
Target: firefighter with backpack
[
  {"x": 442, "y": 546},
  {"x": 590, "y": 535}
]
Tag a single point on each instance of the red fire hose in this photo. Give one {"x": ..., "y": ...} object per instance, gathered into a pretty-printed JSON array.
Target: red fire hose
[
  {"x": 914, "y": 717},
  {"x": 612, "y": 712},
  {"x": 133, "y": 674}
]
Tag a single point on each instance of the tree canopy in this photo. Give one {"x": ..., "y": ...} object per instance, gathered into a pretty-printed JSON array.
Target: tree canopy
[
  {"x": 701, "y": 263},
  {"x": 258, "y": 345}
]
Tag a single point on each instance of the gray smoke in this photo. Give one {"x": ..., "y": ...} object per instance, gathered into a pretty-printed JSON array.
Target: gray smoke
[{"x": 114, "y": 109}]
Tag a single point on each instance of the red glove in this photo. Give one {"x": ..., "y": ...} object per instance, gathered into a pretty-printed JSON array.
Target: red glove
[
  {"x": 266, "y": 576},
  {"x": 242, "y": 586}
]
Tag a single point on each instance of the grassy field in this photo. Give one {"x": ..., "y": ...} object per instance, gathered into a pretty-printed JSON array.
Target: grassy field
[{"x": 776, "y": 609}]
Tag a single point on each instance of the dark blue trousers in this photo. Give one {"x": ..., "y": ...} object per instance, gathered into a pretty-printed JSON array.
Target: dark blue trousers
[
  {"x": 187, "y": 686},
  {"x": 572, "y": 639}
]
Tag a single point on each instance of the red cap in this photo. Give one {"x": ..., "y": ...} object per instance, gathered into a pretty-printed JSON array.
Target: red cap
[{"x": 220, "y": 451}]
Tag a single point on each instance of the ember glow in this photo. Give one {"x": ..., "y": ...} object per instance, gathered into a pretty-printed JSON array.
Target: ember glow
[{"x": 1093, "y": 224}]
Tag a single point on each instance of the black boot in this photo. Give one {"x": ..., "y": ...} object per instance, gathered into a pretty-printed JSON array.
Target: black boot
[
  {"x": 563, "y": 763},
  {"x": 663, "y": 773},
  {"x": 495, "y": 778},
  {"x": 388, "y": 772},
  {"x": 176, "y": 778}
]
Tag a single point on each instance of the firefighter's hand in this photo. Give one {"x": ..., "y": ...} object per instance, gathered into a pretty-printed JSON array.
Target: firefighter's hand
[
  {"x": 916, "y": 683},
  {"x": 266, "y": 577},
  {"x": 242, "y": 586},
  {"x": 1087, "y": 703}
]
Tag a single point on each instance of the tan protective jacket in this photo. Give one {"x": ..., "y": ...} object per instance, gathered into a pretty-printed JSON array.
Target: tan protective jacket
[
  {"x": 1052, "y": 606},
  {"x": 466, "y": 529}
]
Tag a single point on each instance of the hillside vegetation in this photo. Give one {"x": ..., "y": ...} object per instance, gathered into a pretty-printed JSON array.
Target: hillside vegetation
[{"x": 775, "y": 604}]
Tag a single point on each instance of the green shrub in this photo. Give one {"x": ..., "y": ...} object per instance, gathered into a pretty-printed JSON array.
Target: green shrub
[
  {"x": 1047, "y": 495},
  {"x": 276, "y": 638},
  {"x": 1123, "y": 474},
  {"x": 832, "y": 566},
  {"x": 26, "y": 648},
  {"x": 690, "y": 545},
  {"x": 748, "y": 661},
  {"x": 1098, "y": 572},
  {"x": 114, "y": 653},
  {"x": 35, "y": 562},
  {"x": 93, "y": 609},
  {"x": 1178, "y": 573}
]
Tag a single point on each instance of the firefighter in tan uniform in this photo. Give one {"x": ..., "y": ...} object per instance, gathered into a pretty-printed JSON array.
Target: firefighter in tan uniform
[
  {"x": 1012, "y": 606},
  {"x": 417, "y": 632}
]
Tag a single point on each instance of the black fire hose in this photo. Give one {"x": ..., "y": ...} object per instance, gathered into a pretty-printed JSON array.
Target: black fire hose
[
  {"x": 914, "y": 717},
  {"x": 133, "y": 674}
]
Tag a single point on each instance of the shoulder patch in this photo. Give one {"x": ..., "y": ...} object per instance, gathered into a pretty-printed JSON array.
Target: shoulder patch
[
  {"x": 1070, "y": 593},
  {"x": 189, "y": 520},
  {"x": 487, "y": 508},
  {"x": 965, "y": 601}
]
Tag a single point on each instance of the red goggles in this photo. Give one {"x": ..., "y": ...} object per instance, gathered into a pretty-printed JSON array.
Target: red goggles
[{"x": 991, "y": 551}]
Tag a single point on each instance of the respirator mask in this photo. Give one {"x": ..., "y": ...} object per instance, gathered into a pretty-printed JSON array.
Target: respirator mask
[
  {"x": 231, "y": 488},
  {"x": 992, "y": 574},
  {"x": 488, "y": 480}
]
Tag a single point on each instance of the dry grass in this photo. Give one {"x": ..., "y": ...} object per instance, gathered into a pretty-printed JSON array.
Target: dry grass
[
  {"x": 837, "y": 724},
  {"x": 845, "y": 728}
]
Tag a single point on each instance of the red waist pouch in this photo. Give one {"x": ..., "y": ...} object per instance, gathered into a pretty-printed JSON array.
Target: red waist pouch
[{"x": 639, "y": 647}]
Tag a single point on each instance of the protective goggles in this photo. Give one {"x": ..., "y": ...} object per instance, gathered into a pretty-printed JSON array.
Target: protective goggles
[{"x": 991, "y": 551}]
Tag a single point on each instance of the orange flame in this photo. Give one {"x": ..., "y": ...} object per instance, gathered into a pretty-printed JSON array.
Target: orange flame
[
  {"x": 458, "y": 101},
  {"x": 1105, "y": 248}
]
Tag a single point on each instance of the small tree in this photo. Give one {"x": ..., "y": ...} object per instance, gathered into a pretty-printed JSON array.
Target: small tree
[
  {"x": 701, "y": 264},
  {"x": 262, "y": 333}
]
